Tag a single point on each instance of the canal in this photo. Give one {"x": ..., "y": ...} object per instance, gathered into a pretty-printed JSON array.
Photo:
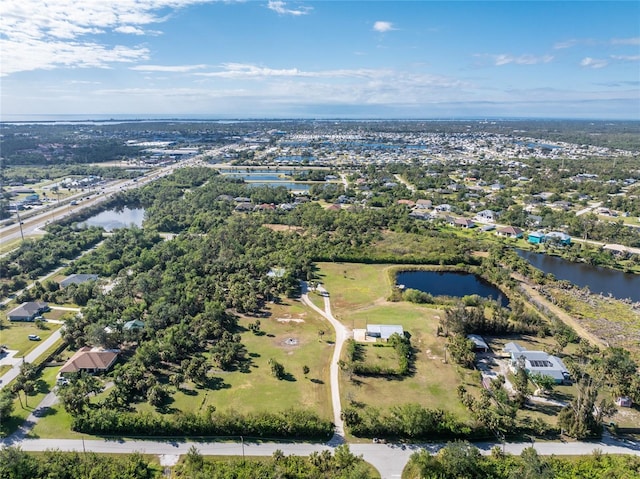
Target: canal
[{"x": 598, "y": 279}]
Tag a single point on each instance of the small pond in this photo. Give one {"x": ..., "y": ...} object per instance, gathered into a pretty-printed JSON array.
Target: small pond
[
  {"x": 113, "y": 219},
  {"x": 599, "y": 280},
  {"x": 450, "y": 283}
]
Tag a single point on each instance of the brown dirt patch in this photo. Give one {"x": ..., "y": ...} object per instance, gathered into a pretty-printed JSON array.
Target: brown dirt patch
[{"x": 286, "y": 228}]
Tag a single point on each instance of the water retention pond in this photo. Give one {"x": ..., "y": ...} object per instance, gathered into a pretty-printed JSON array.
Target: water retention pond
[
  {"x": 112, "y": 219},
  {"x": 450, "y": 283}
]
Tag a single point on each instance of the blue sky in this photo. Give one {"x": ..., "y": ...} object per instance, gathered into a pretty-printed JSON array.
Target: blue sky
[{"x": 315, "y": 59}]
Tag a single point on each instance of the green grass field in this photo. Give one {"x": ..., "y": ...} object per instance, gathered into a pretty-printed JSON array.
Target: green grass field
[
  {"x": 290, "y": 336},
  {"x": 10, "y": 245},
  {"x": 56, "y": 424},
  {"x": 255, "y": 390},
  {"x": 385, "y": 358},
  {"x": 358, "y": 297},
  {"x": 16, "y": 335},
  {"x": 22, "y": 408},
  {"x": 353, "y": 286}
]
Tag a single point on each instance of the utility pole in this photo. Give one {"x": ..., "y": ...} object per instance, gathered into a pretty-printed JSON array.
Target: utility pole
[{"x": 19, "y": 222}]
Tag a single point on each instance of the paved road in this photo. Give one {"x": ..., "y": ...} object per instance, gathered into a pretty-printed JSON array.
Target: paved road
[
  {"x": 589, "y": 208},
  {"x": 389, "y": 459},
  {"x": 334, "y": 369},
  {"x": 35, "y": 224}
]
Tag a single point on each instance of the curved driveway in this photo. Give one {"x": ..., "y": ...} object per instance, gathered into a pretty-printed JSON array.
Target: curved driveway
[
  {"x": 388, "y": 459},
  {"x": 334, "y": 369}
]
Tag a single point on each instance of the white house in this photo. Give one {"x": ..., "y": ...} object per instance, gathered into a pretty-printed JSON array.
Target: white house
[
  {"x": 537, "y": 362},
  {"x": 384, "y": 331},
  {"x": 486, "y": 216}
]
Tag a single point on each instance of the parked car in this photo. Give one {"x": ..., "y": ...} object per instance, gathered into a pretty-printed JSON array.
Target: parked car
[{"x": 34, "y": 337}]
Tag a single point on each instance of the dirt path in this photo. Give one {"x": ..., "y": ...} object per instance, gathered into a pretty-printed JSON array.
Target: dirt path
[{"x": 565, "y": 317}]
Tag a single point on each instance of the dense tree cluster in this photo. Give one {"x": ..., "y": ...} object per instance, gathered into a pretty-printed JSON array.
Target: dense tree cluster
[
  {"x": 36, "y": 257},
  {"x": 293, "y": 424},
  {"x": 19, "y": 149},
  {"x": 409, "y": 421},
  {"x": 17, "y": 464},
  {"x": 342, "y": 464},
  {"x": 464, "y": 461}
]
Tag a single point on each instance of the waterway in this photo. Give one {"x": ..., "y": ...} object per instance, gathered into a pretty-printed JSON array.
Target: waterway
[
  {"x": 113, "y": 219},
  {"x": 598, "y": 279},
  {"x": 290, "y": 185},
  {"x": 263, "y": 177},
  {"x": 450, "y": 283},
  {"x": 251, "y": 176}
]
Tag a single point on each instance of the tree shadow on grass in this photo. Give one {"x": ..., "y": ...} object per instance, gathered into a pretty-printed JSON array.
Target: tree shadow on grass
[
  {"x": 42, "y": 387},
  {"x": 546, "y": 409},
  {"x": 359, "y": 352},
  {"x": 316, "y": 381},
  {"x": 216, "y": 384},
  {"x": 288, "y": 377},
  {"x": 45, "y": 411}
]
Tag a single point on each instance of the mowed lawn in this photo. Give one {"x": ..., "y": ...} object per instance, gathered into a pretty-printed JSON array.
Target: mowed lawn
[
  {"x": 359, "y": 295},
  {"x": 21, "y": 408},
  {"x": 353, "y": 286},
  {"x": 15, "y": 335},
  {"x": 289, "y": 336}
]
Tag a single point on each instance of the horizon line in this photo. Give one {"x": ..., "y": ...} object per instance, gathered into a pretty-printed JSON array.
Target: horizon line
[{"x": 79, "y": 118}]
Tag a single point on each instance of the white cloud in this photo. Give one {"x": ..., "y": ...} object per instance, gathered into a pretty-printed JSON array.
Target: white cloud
[
  {"x": 248, "y": 71},
  {"x": 383, "y": 27},
  {"x": 280, "y": 8},
  {"x": 595, "y": 63},
  {"x": 84, "y": 82},
  {"x": 626, "y": 41},
  {"x": 506, "y": 59},
  {"x": 36, "y": 34},
  {"x": 593, "y": 42},
  {"x": 40, "y": 55},
  {"x": 566, "y": 44},
  {"x": 168, "y": 68},
  {"x": 129, "y": 29},
  {"x": 626, "y": 58}
]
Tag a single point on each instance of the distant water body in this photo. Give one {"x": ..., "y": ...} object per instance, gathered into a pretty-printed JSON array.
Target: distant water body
[
  {"x": 91, "y": 119},
  {"x": 109, "y": 119}
]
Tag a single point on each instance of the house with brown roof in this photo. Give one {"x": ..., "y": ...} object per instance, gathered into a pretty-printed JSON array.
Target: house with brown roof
[
  {"x": 424, "y": 204},
  {"x": 464, "y": 223},
  {"x": 510, "y": 232},
  {"x": 91, "y": 360}
]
